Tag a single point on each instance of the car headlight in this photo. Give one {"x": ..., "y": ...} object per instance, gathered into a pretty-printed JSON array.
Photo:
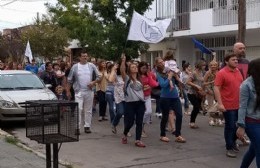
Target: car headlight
[
  {"x": 6, "y": 104},
  {"x": 54, "y": 98}
]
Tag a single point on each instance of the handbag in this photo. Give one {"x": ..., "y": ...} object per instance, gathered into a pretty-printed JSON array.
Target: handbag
[
  {"x": 213, "y": 108},
  {"x": 200, "y": 93},
  {"x": 156, "y": 92}
]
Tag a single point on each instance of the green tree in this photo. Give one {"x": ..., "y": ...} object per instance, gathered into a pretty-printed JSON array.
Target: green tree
[
  {"x": 46, "y": 38},
  {"x": 102, "y": 25},
  {"x": 11, "y": 47}
]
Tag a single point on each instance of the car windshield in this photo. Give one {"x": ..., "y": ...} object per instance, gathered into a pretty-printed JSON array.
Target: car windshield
[{"x": 20, "y": 82}]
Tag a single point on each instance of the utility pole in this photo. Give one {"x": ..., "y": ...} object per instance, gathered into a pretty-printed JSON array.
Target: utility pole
[
  {"x": 241, "y": 20},
  {"x": 38, "y": 18}
]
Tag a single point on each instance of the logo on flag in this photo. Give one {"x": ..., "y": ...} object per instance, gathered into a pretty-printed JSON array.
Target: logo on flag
[
  {"x": 143, "y": 29},
  {"x": 151, "y": 33}
]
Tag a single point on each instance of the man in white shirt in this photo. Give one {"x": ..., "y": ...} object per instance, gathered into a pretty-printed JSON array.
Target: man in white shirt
[{"x": 81, "y": 77}]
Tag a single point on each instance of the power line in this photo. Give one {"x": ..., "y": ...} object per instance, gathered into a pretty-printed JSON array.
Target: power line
[
  {"x": 8, "y": 3},
  {"x": 33, "y": 0},
  {"x": 4, "y": 27},
  {"x": 19, "y": 10},
  {"x": 4, "y": 21}
]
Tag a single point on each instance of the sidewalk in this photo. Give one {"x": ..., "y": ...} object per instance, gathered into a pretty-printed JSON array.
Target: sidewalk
[{"x": 18, "y": 156}]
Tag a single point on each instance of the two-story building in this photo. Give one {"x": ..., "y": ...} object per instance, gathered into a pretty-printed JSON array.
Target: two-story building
[{"x": 212, "y": 22}]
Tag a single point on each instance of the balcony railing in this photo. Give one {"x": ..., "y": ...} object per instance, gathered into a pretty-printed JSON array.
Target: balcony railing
[
  {"x": 180, "y": 22},
  {"x": 253, "y": 11},
  {"x": 225, "y": 12},
  {"x": 165, "y": 9},
  {"x": 227, "y": 15}
]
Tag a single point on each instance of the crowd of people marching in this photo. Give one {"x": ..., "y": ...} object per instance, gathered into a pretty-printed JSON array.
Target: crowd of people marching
[{"x": 229, "y": 93}]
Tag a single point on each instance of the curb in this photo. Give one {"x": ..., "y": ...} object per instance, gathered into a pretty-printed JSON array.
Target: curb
[{"x": 23, "y": 146}]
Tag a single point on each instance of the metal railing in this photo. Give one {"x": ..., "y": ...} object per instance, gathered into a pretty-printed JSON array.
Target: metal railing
[
  {"x": 165, "y": 9},
  {"x": 227, "y": 15},
  {"x": 169, "y": 8},
  {"x": 253, "y": 11},
  {"x": 179, "y": 11},
  {"x": 180, "y": 22},
  {"x": 197, "y": 5},
  {"x": 225, "y": 12}
]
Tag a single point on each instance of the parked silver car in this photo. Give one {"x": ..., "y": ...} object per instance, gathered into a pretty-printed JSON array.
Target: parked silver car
[{"x": 16, "y": 87}]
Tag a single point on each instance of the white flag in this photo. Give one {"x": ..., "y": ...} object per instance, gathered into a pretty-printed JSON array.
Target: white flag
[
  {"x": 143, "y": 29},
  {"x": 28, "y": 52}
]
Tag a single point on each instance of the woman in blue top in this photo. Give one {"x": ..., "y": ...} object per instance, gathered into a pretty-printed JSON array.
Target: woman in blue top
[
  {"x": 169, "y": 100},
  {"x": 249, "y": 113}
]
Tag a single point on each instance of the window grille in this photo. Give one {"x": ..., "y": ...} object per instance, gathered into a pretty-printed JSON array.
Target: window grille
[{"x": 221, "y": 45}]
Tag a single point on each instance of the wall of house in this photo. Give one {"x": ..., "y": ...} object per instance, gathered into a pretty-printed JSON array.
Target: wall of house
[
  {"x": 159, "y": 49},
  {"x": 184, "y": 48},
  {"x": 185, "y": 51},
  {"x": 160, "y": 46},
  {"x": 163, "y": 46},
  {"x": 252, "y": 45},
  {"x": 201, "y": 23}
]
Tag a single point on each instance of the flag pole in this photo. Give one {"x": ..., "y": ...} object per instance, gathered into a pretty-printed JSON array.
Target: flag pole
[
  {"x": 24, "y": 58},
  {"x": 125, "y": 44},
  {"x": 128, "y": 32}
]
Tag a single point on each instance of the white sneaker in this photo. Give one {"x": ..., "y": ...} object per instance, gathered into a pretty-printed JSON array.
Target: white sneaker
[
  {"x": 158, "y": 115},
  {"x": 220, "y": 122},
  {"x": 245, "y": 141},
  {"x": 211, "y": 123},
  {"x": 188, "y": 113},
  {"x": 144, "y": 135}
]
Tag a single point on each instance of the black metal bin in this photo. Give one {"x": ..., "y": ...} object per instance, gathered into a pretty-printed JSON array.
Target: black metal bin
[{"x": 51, "y": 121}]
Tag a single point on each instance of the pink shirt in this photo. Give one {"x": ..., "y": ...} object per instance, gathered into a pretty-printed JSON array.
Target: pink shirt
[{"x": 148, "y": 81}]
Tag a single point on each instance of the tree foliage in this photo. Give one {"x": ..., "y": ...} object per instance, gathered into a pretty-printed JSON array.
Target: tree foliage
[
  {"x": 46, "y": 38},
  {"x": 102, "y": 25},
  {"x": 11, "y": 46}
]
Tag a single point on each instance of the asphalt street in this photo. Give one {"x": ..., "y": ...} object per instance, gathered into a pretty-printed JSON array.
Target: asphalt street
[{"x": 205, "y": 148}]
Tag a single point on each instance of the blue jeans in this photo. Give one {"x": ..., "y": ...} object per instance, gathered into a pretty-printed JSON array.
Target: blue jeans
[
  {"x": 186, "y": 100},
  {"x": 168, "y": 104},
  {"x": 134, "y": 113},
  {"x": 230, "y": 129},
  {"x": 110, "y": 101},
  {"x": 253, "y": 132},
  {"x": 120, "y": 108}
]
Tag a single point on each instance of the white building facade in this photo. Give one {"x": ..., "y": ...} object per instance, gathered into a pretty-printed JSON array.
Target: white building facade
[{"x": 212, "y": 22}]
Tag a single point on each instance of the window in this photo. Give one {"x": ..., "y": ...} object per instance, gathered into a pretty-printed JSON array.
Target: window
[
  {"x": 222, "y": 3},
  {"x": 20, "y": 81},
  {"x": 152, "y": 55},
  {"x": 221, "y": 45}
]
